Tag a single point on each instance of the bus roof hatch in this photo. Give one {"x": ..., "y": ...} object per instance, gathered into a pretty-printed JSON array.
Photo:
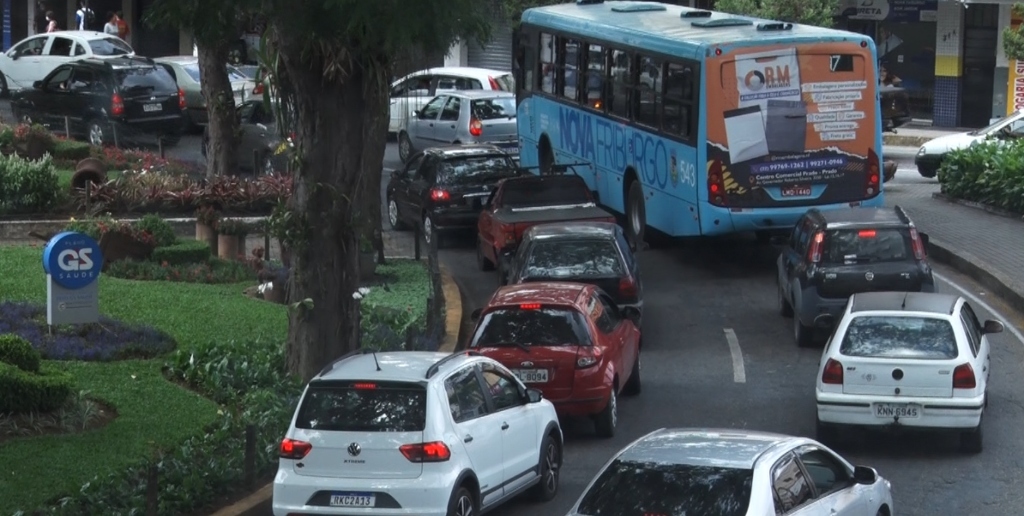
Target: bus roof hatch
[
  {"x": 638, "y": 8},
  {"x": 721, "y": 22}
]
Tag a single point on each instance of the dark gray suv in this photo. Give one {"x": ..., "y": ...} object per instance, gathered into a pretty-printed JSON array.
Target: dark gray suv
[{"x": 834, "y": 254}]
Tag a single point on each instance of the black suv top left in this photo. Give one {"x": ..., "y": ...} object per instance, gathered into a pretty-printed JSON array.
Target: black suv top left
[{"x": 106, "y": 101}]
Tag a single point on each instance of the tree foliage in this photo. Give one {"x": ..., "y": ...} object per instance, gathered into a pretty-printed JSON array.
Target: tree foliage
[
  {"x": 1013, "y": 37},
  {"x": 513, "y": 9},
  {"x": 808, "y": 12}
]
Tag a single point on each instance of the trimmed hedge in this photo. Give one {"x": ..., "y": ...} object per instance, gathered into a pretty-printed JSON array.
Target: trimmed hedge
[
  {"x": 19, "y": 353},
  {"x": 163, "y": 233},
  {"x": 23, "y": 392},
  {"x": 182, "y": 253},
  {"x": 70, "y": 150},
  {"x": 991, "y": 173}
]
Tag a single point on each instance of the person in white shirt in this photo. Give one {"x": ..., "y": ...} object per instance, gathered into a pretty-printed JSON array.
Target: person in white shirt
[
  {"x": 111, "y": 26},
  {"x": 84, "y": 16}
]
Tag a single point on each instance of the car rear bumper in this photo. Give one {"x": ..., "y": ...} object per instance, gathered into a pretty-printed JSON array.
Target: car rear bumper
[
  {"x": 455, "y": 219},
  {"x": 164, "y": 125},
  {"x": 427, "y": 495},
  {"x": 938, "y": 413},
  {"x": 584, "y": 400}
]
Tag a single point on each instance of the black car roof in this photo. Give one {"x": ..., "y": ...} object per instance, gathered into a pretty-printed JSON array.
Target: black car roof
[
  {"x": 904, "y": 301},
  {"x": 859, "y": 217},
  {"x": 460, "y": 151},
  {"x": 573, "y": 231}
]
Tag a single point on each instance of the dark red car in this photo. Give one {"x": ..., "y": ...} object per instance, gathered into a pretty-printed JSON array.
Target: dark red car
[{"x": 570, "y": 341}]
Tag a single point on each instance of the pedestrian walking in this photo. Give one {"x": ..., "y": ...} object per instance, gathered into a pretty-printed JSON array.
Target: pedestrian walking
[
  {"x": 51, "y": 22},
  {"x": 85, "y": 18},
  {"x": 122, "y": 26}
]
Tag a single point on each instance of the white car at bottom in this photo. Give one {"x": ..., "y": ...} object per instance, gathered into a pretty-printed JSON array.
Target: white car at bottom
[
  {"x": 416, "y": 433},
  {"x": 718, "y": 472},
  {"x": 906, "y": 359}
]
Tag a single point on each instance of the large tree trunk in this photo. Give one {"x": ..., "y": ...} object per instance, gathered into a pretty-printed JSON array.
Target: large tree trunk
[
  {"x": 221, "y": 152},
  {"x": 340, "y": 146}
]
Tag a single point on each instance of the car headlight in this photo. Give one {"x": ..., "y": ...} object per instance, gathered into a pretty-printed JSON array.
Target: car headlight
[{"x": 920, "y": 152}]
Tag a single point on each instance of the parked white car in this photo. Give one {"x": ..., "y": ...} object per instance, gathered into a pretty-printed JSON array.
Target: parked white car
[
  {"x": 732, "y": 473},
  {"x": 906, "y": 359},
  {"x": 413, "y": 91},
  {"x": 930, "y": 155},
  {"x": 33, "y": 58},
  {"x": 430, "y": 434}
]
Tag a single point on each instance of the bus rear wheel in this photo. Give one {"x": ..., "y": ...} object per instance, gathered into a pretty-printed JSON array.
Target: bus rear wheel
[{"x": 636, "y": 215}]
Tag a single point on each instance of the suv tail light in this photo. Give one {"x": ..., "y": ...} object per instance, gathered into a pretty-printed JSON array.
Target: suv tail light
[
  {"x": 627, "y": 288},
  {"x": 476, "y": 128},
  {"x": 435, "y": 451},
  {"x": 438, "y": 194},
  {"x": 295, "y": 450},
  {"x": 833, "y": 373},
  {"x": 181, "y": 98},
  {"x": 872, "y": 187},
  {"x": 116, "y": 105},
  {"x": 814, "y": 250},
  {"x": 716, "y": 185},
  {"x": 963, "y": 377},
  {"x": 918, "y": 243},
  {"x": 587, "y": 357},
  {"x": 494, "y": 84}
]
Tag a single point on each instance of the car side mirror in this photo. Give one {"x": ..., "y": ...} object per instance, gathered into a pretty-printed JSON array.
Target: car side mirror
[
  {"x": 534, "y": 395},
  {"x": 38, "y": 85},
  {"x": 475, "y": 316},
  {"x": 633, "y": 314},
  {"x": 417, "y": 113},
  {"x": 924, "y": 239},
  {"x": 14, "y": 56},
  {"x": 865, "y": 475},
  {"x": 992, "y": 327}
]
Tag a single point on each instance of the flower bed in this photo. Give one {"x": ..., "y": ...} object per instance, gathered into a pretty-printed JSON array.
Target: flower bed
[
  {"x": 147, "y": 192},
  {"x": 991, "y": 173}
]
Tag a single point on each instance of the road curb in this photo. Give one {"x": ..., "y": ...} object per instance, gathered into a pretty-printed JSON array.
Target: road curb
[
  {"x": 976, "y": 268},
  {"x": 452, "y": 310},
  {"x": 252, "y": 505},
  {"x": 978, "y": 206}
]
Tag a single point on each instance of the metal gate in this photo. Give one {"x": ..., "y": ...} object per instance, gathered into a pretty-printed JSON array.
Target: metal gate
[{"x": 495, "y": 54}]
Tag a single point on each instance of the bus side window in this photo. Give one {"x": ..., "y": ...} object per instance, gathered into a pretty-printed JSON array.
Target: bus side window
[
  {"x": 621, "y": 73},
  {"x": 547, "y": 63},
  {"x": 569, "y": 67},
  {"x": 678, "y": 104},
  {"x": 596, "y": 94},
  {"x": 648, "y": 105}
]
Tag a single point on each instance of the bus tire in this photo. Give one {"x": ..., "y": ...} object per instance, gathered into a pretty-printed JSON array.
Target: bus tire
[
  {"x": 545, "y": 156},
  {"x": 636, "y": 215}
]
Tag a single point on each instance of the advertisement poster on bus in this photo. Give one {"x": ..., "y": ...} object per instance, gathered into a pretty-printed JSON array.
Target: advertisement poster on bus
[{"x": 788, "y": 124}]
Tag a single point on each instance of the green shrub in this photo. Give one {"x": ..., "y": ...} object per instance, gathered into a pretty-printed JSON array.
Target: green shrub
[
  {"x": 211, "y": 271},
  {"x": 162, "y": 232},
  {"x": 23, "y": 392},
  {"x": 70, "y": 150},
  {"x": 991, "y": 172},
  {"x": 28, "y": 186},
  {"x": 181, "y": 253},
  {"x": 19, "y": 352}
]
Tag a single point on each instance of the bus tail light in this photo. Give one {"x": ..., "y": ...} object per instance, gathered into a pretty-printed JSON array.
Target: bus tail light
[
  {"x": 716, "y": 185},
  {"x": 918, "y": 243},
  {"x": 476, "y": 128},
  {"x": 873, "y": 176},
  {"x": 814, "y": 250}
]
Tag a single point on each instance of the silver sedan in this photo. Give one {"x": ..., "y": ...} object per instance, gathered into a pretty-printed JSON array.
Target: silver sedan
[
  {"x": 469, "y": 116},
  {"x": 711, "y": 472}
]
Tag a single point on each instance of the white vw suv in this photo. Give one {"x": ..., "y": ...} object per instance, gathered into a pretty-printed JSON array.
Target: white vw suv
[{"x": 416, "y": 433}]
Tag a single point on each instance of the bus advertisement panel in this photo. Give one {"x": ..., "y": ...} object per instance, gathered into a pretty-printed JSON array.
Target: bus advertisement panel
[{"x": 795, "y": 124}]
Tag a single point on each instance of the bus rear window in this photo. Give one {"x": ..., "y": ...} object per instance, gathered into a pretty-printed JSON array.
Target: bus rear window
[{"x": 531, "y": 326}]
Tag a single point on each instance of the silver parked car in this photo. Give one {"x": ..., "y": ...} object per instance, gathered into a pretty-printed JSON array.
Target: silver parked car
[
  {"x": 677, "y": 472},
  {"x": 471, "y": 116}
]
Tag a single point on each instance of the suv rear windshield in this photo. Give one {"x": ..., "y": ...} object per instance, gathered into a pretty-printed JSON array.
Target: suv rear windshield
[
  {"x": 852, "y": 246},
  {"x": 545, "y": 326},
  {"x": 475, "y": 169},
  {"x": 109, "y": 47},
  {"x": 493, "y": 109},
  {"x": 506, "y": 82},
  {"x": 363, "y": 407},
  {"x": 573, "y": 259},
  {"x": 636, "y": 488},
  {"x": 144, "y": 80},
  {"x": 546, "y": 191},
  {"x": 900, "y": 337}
]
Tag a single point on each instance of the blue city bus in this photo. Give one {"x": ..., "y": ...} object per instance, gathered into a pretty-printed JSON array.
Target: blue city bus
[{"x": 694, "y": 122}]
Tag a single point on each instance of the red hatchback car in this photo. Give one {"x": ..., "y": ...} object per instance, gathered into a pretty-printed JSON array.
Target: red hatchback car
[{"x": 569, "y": 340}]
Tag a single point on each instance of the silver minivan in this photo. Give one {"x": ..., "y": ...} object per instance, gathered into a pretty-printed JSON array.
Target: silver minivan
[{"x": 471, "y": 116}]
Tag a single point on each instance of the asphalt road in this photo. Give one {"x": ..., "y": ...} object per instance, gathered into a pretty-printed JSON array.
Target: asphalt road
[{"x": 696, "y": 290}]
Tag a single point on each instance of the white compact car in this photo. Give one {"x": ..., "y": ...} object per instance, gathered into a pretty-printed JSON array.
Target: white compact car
[
  {"x": 679, "y": 472},
  {"x": 930, "y": 155},
  {"x": 413, "y": 91},
  {"x": 33, "y": 58},
  {"x": 906, "y": 359},
  {"x": 430, "y": 434}
]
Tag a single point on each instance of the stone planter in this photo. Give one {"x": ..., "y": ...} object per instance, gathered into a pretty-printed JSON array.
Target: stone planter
[
  {"x": 227, "y": 247},
  {"x": 206, "y": 233},
  {"x": 367, "y": 264}
]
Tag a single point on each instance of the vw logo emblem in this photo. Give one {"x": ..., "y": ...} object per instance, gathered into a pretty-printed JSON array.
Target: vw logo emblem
[
  {"x": 527, "y": 364},
  {"x": 869, "y": 276},
  {"x": 353, "y": 449}
]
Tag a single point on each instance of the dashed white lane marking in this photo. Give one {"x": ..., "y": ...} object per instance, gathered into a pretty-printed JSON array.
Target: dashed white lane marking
[
  {"x": 739, "y": 373},
  {"x": 980, "y": 302}
]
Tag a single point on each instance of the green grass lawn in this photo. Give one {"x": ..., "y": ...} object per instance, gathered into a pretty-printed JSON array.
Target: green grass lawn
[{"x": 152, "y": 412}]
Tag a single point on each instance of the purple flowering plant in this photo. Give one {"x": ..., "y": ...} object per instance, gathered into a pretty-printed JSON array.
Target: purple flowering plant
[{"x": 104, "y": 341}]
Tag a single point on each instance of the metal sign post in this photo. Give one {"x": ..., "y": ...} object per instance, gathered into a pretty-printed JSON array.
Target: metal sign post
[{"x": 72, "y": 262}]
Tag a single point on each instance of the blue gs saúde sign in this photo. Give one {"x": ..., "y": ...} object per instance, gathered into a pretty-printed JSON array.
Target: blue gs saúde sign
[{"x": 72, "y": 262}]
